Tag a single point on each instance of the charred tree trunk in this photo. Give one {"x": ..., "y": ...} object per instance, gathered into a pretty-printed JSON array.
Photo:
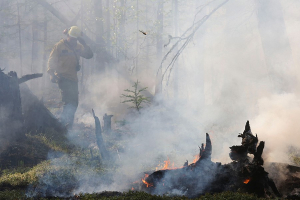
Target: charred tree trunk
[
  {"x": 10, "y": 98},
  {"x": 12, "y": 126},
  {"x": 99, "y": 30},
  {"x": 107, "y": 123},
  {"x": 45, "y": 29},
  {"x": 100, "y": 142}
]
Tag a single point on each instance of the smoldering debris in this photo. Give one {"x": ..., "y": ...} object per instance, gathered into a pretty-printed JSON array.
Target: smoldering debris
[{"x": 205, "y": 176}]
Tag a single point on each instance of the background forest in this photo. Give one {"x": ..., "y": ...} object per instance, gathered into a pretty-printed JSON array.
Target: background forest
[{"x": 207, "y": 66}]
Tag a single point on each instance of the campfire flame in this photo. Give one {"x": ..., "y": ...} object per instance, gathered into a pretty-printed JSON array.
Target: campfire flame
[
  {"x": 145, "y": 182},
  {"x": 246, "y": 181}
]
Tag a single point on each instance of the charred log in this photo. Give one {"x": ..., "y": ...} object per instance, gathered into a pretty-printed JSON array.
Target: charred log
[{"x": 205, "y": 176}]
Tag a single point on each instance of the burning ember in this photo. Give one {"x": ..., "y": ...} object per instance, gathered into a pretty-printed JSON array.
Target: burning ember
[
  {"x": 145, "y": 182},
  {"x": 246, "y": 181}
]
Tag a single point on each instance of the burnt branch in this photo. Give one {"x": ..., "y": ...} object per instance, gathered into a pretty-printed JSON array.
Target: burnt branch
[{"x": 29, "y": 77}]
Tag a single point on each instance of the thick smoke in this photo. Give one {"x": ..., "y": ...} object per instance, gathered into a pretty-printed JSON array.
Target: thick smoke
[
  {"x": 228, "y": 74},
  {"x": 225, "y": 79}
]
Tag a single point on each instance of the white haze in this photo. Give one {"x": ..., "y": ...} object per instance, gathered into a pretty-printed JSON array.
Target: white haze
[{"x": 223, "y": 81}]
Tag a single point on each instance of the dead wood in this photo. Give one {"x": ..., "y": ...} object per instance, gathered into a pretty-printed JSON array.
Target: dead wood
[
  {"x": 100, "y": 142},
  {"x": 107, "y": 122},
  {"x": 186, "y": 38},
  {"x": 205, "y": 176},
  {"x": 29, "y": 77},
  {"x": 37, "y": 118}
]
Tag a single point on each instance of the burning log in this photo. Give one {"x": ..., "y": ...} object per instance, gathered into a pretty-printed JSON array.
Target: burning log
[{"x": 205, "y": 176}]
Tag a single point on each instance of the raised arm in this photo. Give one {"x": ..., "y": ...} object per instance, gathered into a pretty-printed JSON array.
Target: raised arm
[{"x": 86, "y": 51}]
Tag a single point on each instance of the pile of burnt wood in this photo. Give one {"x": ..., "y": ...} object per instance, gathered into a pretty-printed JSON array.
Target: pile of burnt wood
[{"x": 244, "y": 174}]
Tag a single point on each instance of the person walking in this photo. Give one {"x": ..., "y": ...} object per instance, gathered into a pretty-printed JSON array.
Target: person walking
[{"x": 63, "y": 65}]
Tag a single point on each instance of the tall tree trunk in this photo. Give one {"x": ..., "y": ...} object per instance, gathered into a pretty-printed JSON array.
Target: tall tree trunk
[
  {"x": 147, "y": 41},
  {"x": 108, "y": 43},
  {"x": 276, "y": 47},
  {"x": 99, "y": 33},
  {"x": 20, "y": 41},
  {"x": 175, "y": 34},
  {"x": 82, "y": 60},
  {"x": 137, "y": 40},
  {"x": 159, "y": 44},
  {"x": 45, "y": 47},
  {"x": 115, "y": 28},
  {"x": 122, "y": 29}
]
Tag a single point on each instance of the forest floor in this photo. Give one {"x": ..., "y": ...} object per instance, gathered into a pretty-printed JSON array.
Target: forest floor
[{"x": 61, "y": 161}]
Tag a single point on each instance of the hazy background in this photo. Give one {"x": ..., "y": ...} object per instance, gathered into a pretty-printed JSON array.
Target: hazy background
[{"x": 242, "y": 64}]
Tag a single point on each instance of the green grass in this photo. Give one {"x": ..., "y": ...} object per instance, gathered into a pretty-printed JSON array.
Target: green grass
[
  {"x": 53, "y": 140},
  {"x": 14, "y": 178},
  {"x": 18, "y": 194}
]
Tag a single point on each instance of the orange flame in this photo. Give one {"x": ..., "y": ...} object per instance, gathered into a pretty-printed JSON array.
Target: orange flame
[
  {"x": 145, "y": 182},
  {"x": 132, "y": 188},
  {"x": 246, "y": 181},
  {"x": 196, "y": 158},
  {"x": 166, "y": 165}
]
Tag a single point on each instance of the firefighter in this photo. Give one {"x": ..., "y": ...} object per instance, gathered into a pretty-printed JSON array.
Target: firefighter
[{"x": 63, "y": 65}]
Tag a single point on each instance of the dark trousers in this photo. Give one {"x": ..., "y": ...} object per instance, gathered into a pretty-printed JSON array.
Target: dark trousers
[{"x": 69, "y": 95}]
